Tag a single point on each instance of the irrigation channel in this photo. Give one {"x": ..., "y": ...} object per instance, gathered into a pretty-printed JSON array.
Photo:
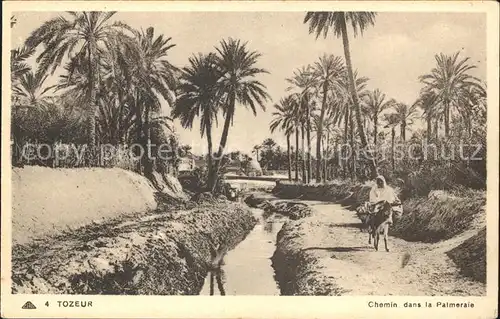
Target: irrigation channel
[{"x": 247, "y": 269}]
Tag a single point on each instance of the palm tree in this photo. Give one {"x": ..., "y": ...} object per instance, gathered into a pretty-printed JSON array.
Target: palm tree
[
  {"x": 238, "y": 83},
  {"x": 406, "y": 115},
  {"x": 83, "y": 35},
  {"x": 199, "y": 96},
  {"x": 296, "y": 126},
  {"x": 300, "y": 117},
  {"x": 427, "y": 102},
  {"x": 29, "y": 91},
  {"x": 18, "y": 56},
  {"x": 18, "y": 66},
  {"x": 30, "y": 99},
  {"x": 284, "y": 120},
  {"x": 328, "y": 74},
  {"x": 303, "y": 80},
  {"x": 447, "y": 80},
  {"x": 376, "y": 103},
  {"x": 256, "y": 150},
  {"x": 392, "y": 121},
  {"x": 321, "y": 22},
  {"x": 342, "y": 109},
  {"x": 330, "y": 130},
  {"x": 154, "y": 81},
  {"x": 469, "y": 98}
]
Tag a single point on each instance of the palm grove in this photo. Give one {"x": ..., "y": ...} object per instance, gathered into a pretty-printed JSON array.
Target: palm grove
[
  {"x": 114, "y": 80},
  {"x": 329, "y": 101}
]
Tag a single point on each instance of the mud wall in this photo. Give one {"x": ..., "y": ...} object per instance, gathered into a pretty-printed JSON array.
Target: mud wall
[
  {"x": 159, "y": 253},
  {"x": 46, "y": 201}
]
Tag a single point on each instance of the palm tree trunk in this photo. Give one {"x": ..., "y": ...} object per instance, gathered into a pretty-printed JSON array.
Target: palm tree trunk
[
  {"x": 354, "y": 94},
  {"x": 429, "y": 129},
  {"x": 212, "y": 283},
  {"x": 320, "y": 134},
  {"x": 138, "y": 119},
  {"x": 436, "y": 128},
  {"x": 447, "y": 119},
  {"x": 296, "y": 153},
  {"x": 92, "y": 108},
  {"x": 210, "y": 152},
  {"x": 375, "y": 130},
  {"x": 219, "y": 282},
  {"x": 323, "y": 146},
  {"x": 353, "y": 161},
  {"x": 223, "y": 141},
  {"x": 403, "y": 130},
  {"x": 309, "y": 164},
  {"x": 148, "y": 162},
  {"x": 393, "y": 136},
  {"x": 367, "y": 130},
  {"x": 469, "y": 125},
  {"x": 345, "y": 163},
  {"x": 289, "y": 157},
  {"x": 327, "y": 156},
  {"x": 304, "y": 177}
]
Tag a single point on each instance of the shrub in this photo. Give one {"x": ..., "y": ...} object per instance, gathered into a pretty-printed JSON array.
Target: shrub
[
  {"x": 435, "y": 219},
  {"x": 470, "y": 256}
]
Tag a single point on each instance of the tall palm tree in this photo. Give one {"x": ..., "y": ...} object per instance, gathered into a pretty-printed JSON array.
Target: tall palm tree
[
  {"x": 329, "y": 130},
  {"x": 406, "y": 115},
  {"x": 303, "y": 80},
  {"x": 238, "y": 67},
  {"x": 301, "y": 117},
  {"x": 328, "y": 74},
  {"x": 427, "y": 102},
  {"x": 321, "y": 22},
  {"x": 447, "y": 80},
  {"x": 376, "y": 103},
  {"x": 82, "y": 34},
  {"x": 392, "y": 120},
  {"x": 469, "y": 98},
  {"x": 154, "y": 81},
  {"x": 199, "y": 96},
  {"x": 284, "y": 120},
  {"x": 343, "y": 110},
  {"x": 297, "y": 124}
]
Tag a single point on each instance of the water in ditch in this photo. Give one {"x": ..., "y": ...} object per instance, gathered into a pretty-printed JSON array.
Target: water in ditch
[{"x": 247, "y": 269}]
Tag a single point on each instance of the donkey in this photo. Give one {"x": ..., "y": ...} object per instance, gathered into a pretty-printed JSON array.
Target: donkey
[{"x": 379, "y": 223}]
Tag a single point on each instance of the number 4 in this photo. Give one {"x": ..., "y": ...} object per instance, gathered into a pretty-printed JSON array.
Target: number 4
[{"x": 47, "y": 303}]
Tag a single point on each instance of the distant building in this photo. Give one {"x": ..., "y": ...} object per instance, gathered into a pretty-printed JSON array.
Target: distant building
[
  {"x": 236, "y": 166},
  {"x": 187, "y": 164},
  {"x": 254, "y": 168}
]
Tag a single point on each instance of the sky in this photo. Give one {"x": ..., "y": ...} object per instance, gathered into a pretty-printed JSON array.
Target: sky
[{"x": 392, "y": 54}]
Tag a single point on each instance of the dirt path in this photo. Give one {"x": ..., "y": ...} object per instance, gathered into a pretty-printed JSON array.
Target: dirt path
[{"x": 341, "y": 253}]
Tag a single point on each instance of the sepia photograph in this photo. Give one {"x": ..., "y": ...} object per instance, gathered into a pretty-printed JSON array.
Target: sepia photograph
[{"x": 249, "y": 153}]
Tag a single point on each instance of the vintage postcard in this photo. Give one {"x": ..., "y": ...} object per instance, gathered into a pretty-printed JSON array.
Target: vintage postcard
[{"x": 262, "y": 159}]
